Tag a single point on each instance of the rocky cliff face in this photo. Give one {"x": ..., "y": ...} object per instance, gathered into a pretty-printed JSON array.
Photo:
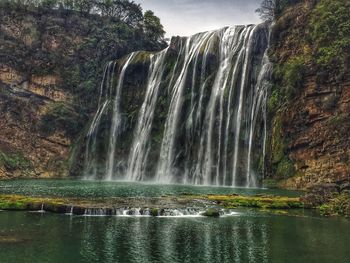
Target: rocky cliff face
[
  {"x": 25, "y": 150},
  {"x": 310, "y": 141},
  {"x": 51, "y": 66}
]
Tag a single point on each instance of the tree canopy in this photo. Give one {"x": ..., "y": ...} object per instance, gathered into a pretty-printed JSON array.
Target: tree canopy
[{"x": 126, "y": 11}]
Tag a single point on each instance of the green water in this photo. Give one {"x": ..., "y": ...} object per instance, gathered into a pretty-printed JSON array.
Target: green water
[
  {"x": 97, "y": 189},
  {"x": 246, "y": 237}
]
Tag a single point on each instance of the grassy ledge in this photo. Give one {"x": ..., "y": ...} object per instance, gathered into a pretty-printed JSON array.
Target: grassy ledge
[{"x": 210, "y": 203}]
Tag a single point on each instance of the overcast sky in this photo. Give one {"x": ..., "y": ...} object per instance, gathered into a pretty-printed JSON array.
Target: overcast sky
[{"x": 187, "y": 17}]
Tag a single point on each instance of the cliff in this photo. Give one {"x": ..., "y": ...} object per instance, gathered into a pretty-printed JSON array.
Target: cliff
[
  {"x": 51, "y": 66},
  {"x": 309, "y": 105}
]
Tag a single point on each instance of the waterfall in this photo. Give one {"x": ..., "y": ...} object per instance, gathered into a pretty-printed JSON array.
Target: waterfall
[
  {"x": 195, "y": 113},
  {"x": 138, "y": 153},
  {"x": 191, "y": 52},
  {"x": 258, "y": 107},
  {"x": 116, "y": 121},
  {"x": 90, "y": 170}
]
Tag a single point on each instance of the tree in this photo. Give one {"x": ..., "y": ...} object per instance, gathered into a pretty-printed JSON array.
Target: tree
[
  {"x": 267, "y": 10},
  {"x": 152, "y": 26},
  {"x": 124, "y": 10},
  {"x": 270, "y": 9}
]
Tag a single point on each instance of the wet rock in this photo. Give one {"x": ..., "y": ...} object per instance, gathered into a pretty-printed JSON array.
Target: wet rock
[
  {"x": 212, "y": 212},
  {"x": 56, "y": 208},
  {"x": 154, "y": 212},
  {"x": 77, "y": 210}
]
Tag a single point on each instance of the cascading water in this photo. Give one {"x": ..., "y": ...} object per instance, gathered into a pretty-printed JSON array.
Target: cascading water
[
  {"x": 138, "y": 153},
  {"x": 201, "y": 117}
]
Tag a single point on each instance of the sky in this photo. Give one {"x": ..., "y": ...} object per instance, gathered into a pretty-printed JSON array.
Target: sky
[{"x": 187, "y": 17}]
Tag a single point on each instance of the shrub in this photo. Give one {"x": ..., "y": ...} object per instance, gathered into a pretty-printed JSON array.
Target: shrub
[
  {"x": 285, "y": 168},
  {"x": 62, "y": 117},
  {"x": 14, "y": 161}
]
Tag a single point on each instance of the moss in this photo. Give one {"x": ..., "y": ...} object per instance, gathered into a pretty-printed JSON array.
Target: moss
[
  {"x": 271, "y": 202},
  {"x": 281, "y": 166},
  {"x": 278, "y": 144},
  {"x": 141, "y": 57}
]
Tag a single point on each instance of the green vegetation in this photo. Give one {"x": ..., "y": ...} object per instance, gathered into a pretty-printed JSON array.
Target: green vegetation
[
  {"x": 281, "y": 166},
  {"x": 14, "y": 161},
  {"x": 16, "y": 202},
  {"x": 153, "y": 28},
  {"x": 293, "y": 74},
  {"x": 330, "y": 35},
  {"x": 290, "y": 78},
  {"x": 338, "y": 205}
]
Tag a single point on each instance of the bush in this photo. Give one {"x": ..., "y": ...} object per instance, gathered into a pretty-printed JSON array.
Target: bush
[{"x": 15, "y": 161}]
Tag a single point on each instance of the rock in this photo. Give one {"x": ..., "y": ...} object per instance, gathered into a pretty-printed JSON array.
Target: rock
[
  {"x": 324, "y": 189},
  {"x": 211, "y": 212}
]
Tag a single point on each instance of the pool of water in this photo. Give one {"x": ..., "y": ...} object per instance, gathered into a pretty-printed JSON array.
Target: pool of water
[
  {"x": 250, "y": 236},
  {"x": 100, "y": 189}
]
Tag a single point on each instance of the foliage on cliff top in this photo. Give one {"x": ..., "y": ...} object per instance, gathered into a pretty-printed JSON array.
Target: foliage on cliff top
[{"x": 330, "y": 35}]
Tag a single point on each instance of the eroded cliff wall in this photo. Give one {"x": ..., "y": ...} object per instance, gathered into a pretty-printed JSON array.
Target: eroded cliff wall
[{"x": 309, "y": 105}]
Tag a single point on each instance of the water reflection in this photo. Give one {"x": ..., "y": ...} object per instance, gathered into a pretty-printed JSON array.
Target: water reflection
[
  {"x": 174, "y": 240},
  {"x": 248, "y": 238}
]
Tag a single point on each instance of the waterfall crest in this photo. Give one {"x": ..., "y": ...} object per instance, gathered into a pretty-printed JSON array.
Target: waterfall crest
[{"x": 194, "y": 113}]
